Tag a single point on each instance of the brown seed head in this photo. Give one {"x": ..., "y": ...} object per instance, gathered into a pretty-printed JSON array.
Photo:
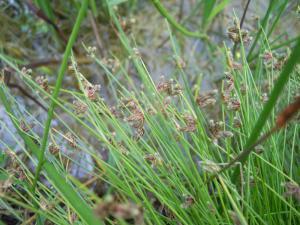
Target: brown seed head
[{"x": 288, "y": 113}]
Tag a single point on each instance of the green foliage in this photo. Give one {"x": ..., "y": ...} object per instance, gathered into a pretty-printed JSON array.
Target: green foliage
[{"x": 161, "y": 140}]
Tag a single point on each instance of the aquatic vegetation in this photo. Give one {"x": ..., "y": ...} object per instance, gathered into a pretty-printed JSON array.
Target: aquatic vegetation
[{"x": 97, "y": 136}]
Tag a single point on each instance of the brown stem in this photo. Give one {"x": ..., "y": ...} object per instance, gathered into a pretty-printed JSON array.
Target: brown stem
[
  {"x": 244, "y": 14},
  {"x": 46, "y": 62},
  {"x": 42, "y": 16},
  {"x": 26, "y": 94},
  {"x": 96, "y": 33}
]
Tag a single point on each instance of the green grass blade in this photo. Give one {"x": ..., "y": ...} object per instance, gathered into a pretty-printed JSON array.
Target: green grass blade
[
  {"x": 268, "y": 107},
  {"x": 208, "y": 7},
  {"x": 262, "y": 27},
  {"x": 164, "y": 12},
  {"x": 281, "y": 10},
  {"x": 46, "y": 8},
  {"x": 58, "y": 85},
  {"x": 83, "y": 210},
  {"x": 278, "y": 46},
  {"x": 216, "y": 10},
  {"x": 93, "y": 7}
]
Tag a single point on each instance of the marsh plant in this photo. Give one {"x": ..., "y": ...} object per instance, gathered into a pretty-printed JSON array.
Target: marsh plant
[{"x": 156, "y": 151}]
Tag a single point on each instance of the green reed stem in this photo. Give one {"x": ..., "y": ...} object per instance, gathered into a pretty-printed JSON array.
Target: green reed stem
[
  {"x": 58, "y": 85},
  {"x": 164, "y": 12},
  {"x": 268, "y": 107},
  {"x": 263, "y": 26},
  {"x": 72, "y": 197}
]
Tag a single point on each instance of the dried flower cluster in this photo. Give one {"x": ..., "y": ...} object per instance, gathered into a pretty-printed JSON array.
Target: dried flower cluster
[
  {"x": 155, "y": 159},
  {"x": 26, "y": 72},
  {"x": 191, "y": 123},
  {"x": 126, "y": 211},
  {"x": 119, "y": 145},
  {"x": 127, "y": 23},
  {"x": 122, "y": 148},
  {"x": 259, "y": 149},
  {"x": 112, "y": 64},
  {"x": 228, "y": 87},
  {"x": 136, "y": 117},
  {"x": 209, "y": 166},
  {"x": 292, "y": 190},
  {"x": 268, "y": 58},
  {"x": 24, "y": 126},
  {"x": 168, "y": 87},
  {"x": 42, "y": 81},
  {"x": 71, "y": 139},
  {"x": 136, "y": 53},
  {"x": 80, "y": 107},
  {"x": 16, "y": 170},
  {"x": 91, "y": 90},
  {"x": 54, "y": 149},
  {"x": 20, "y": 173},
  {"x": 91, "y": 50},
  {"x": 238, "y": 35},
  {"x": 207, "y": 98},
  {"x": 231, "y": 102},
  {"x": 264, "y": 97},
  {"x": 234, "y": 104},
  {"x": 116, "y": 112},
  {"x": 280, "y": 61},
  {"x": 275, "y": 61},
  {"x": 237, "y": 122},
  {"x": 217, "y": 132},
  {"x": 235, "y": 65}
]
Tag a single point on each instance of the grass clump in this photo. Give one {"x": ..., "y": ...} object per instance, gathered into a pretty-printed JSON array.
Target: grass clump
[{"x": 147, "y": 153}]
